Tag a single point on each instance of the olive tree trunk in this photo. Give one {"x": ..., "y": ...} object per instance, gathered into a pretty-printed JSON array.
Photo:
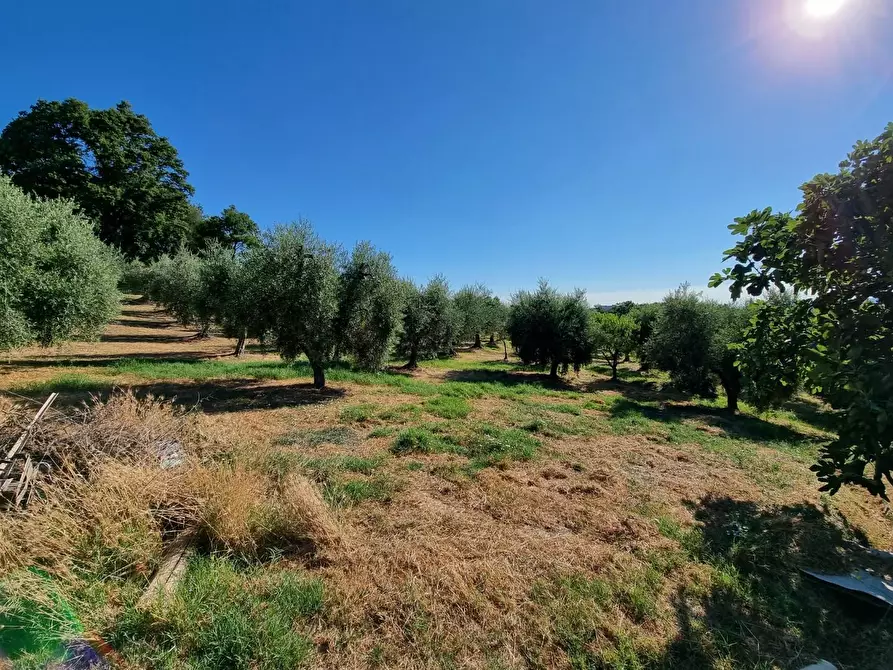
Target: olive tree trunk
[
  {"x": 319, "y": 376},
  {"x": 240, "y": 344}
]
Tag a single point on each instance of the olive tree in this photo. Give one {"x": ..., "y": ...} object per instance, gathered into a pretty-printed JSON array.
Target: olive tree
[
  {"x": 323, "y": 302},
  {"x": 370, "y": 307},
  {"x": 692, "y": 341},
  {"x": 177, "y": 285},
  {"x": 57, "y": 280},
  {"x": 835, "y": 254},
  {"x": 428, "y": 324},
  {"x": 613, "y": 337},
  {"x": 645, "y": 316},
  {"x": 229, "y": 295},
  {"x": 495, "y": 320},
  {"x": 472, "y": 304},
  {"x": 550, "y": 329}
]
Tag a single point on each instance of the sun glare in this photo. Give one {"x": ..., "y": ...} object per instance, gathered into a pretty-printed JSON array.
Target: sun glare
[{"x": 822, "y": 9}]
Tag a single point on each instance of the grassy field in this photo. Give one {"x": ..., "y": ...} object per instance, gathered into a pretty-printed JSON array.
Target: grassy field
[{"x": 470, "y": 514}]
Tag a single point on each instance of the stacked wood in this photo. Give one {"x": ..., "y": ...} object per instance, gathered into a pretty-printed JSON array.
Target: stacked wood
[{"x": 17, "y": 471}]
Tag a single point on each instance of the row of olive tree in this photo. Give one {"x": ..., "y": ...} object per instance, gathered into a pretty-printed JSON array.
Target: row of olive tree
[
  {"x": 307, "y": 297},
  {"x": 698, "y": 342},
  {"x": 58, "y": 281}
]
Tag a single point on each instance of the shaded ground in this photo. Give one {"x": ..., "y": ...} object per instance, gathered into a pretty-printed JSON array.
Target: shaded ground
[{"x": 499, "y": 519}]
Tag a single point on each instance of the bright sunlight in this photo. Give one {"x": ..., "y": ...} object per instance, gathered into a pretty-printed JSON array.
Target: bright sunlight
[{"x": 823, "y": 9}]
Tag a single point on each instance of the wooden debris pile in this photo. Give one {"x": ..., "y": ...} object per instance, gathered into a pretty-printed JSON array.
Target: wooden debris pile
[{"x": 18, "y": 472}]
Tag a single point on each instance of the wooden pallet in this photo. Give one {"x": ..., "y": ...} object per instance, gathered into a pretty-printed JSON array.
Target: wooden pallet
[
  {"x": 17, "y": 471},
  {"x": 17, "y": 484}
]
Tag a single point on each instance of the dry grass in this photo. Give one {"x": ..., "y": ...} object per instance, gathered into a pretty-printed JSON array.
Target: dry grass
[{"x": 661, "y": 535}]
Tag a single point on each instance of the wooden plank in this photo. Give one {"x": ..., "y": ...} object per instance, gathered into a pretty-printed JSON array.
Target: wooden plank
[
  {"x": 23, "y": 438},
  {"x": 173, "y": 567},
  {"x": 26, "y": 481}
]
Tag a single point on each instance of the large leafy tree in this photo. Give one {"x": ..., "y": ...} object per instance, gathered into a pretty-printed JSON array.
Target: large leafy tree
[
  {"x": 428, "y": 321},
  {"x": 692, "y": 341},
  {"x": 550, "y": 329},
  {"x": 837, "y": 254},
  {"x": 57, "y": 280},
  {"x": 231, "y": 228},
  {"x": 613, "y": 337},
  {"x": 112, "y": 164}
]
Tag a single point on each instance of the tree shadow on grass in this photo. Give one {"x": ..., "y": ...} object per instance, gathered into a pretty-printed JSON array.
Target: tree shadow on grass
[
  {"x": 147, "y": 337},
  {"x": 758, "y": 609},
  {"x": 218, "y": 396},
  {"x": 813, "y": 413},
  {"x": 107, "y": 360},
  {"x": 144, "y": 323},
  {"x": 739, "y": 426},
  {"x": 508, "y": 378}
]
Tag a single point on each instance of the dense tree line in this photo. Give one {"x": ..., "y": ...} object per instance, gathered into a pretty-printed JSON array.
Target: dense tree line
[
  {"x": 119, "y": 173},
  {"x": 87, "y": 194}
]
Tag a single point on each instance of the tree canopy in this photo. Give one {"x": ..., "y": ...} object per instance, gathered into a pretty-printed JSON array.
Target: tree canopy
[
  {"x": 691, "y": 341},
  {"x": 57, "y": 280},
  {"x": 473, "y": 312},
  {"x": 550, "y": 329},
  {"x": 836, "y": 254},
  {"x": 231, "y": 228},
  {"x": 428, "y": 321},
  {"x": 111, "y": 163},
  {"x": 613, "y": 337}
]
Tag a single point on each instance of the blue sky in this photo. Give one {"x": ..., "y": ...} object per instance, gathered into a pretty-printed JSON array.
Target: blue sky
[{"x": 599, "y": 144}]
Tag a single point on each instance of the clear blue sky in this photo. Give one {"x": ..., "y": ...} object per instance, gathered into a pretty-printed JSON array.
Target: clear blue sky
[{"x": 600, "y": 144}]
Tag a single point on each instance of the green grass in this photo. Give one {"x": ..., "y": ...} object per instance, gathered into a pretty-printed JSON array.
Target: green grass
[
  {"x": 402, "y": 413},
  {"x": 583, "y": 611},
  {"x": 358, "y": 413},
  {"x": 382, "y": 431},
  {"x": 278, "y": 464},
  {"x": 224, "y": 617},
  {"x": 448, "y": 407},
  {"x": 70, "y": 382},
  {"x": 483, "y": 444},
  {"x": 421, "y": 440},
  {"x": 354, "y": 491}
]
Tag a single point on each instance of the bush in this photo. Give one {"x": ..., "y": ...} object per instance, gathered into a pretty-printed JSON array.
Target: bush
[{"x": 57, "y": 280}]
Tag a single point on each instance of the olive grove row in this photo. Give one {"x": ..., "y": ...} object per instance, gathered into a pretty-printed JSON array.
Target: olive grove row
[{"x": 820, "y": 280}]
